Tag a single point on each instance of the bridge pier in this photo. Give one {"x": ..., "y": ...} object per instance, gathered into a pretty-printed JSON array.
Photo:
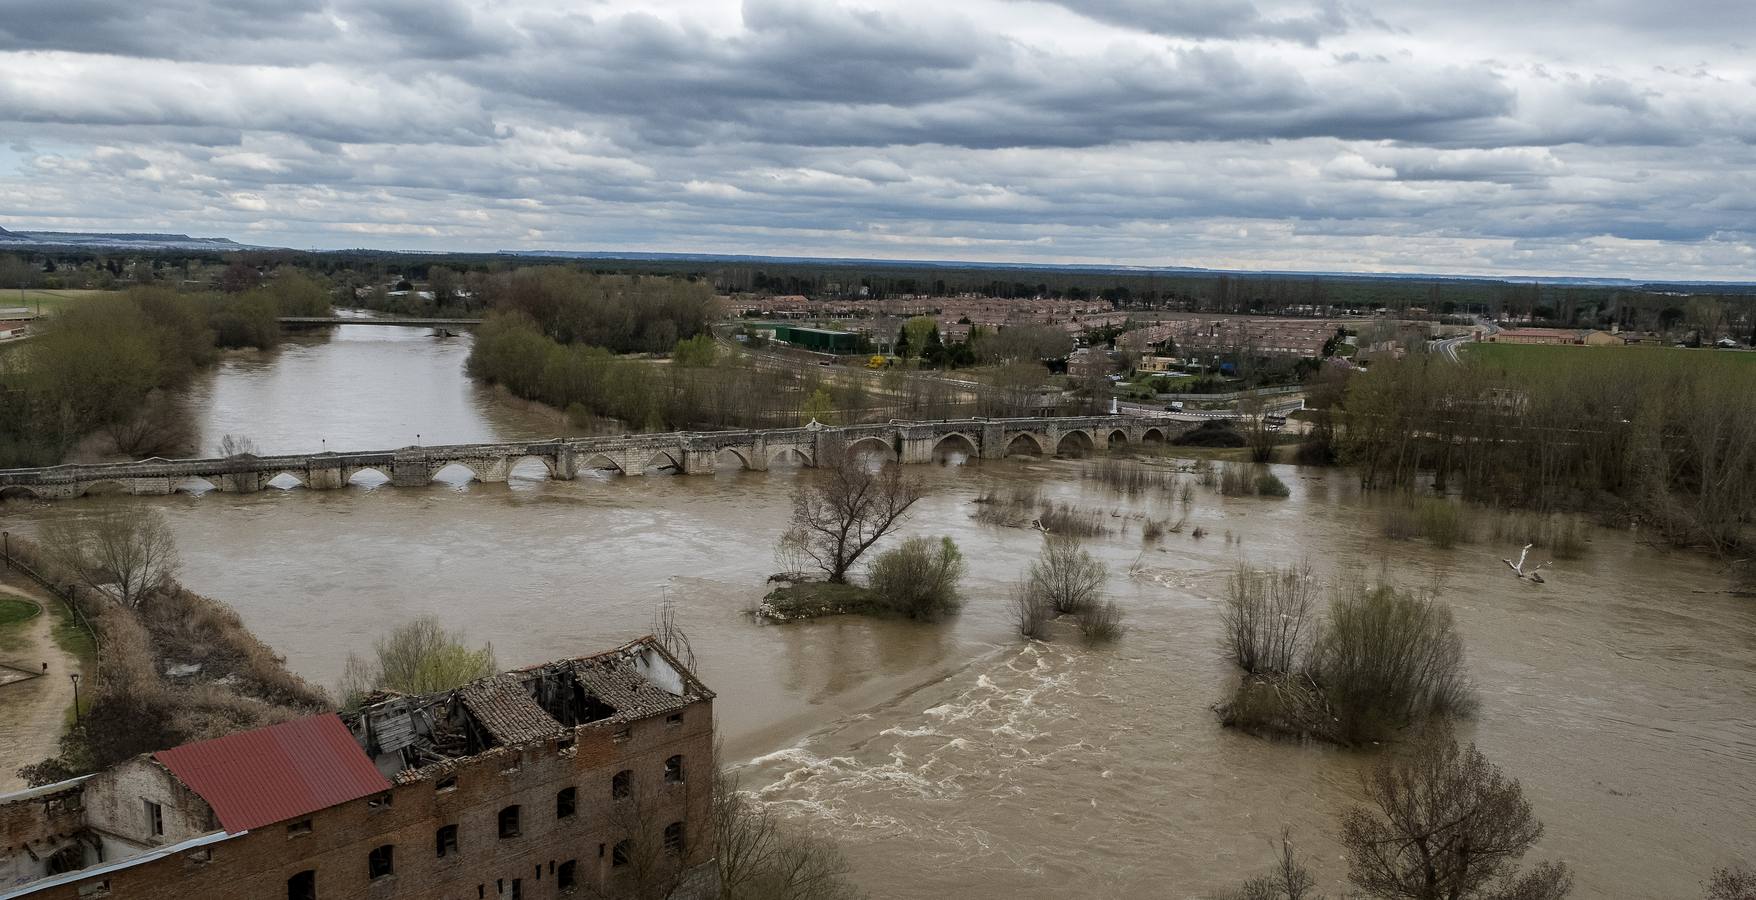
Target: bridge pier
[
  {"x": 238, "y": 483},
  {"x": 410, "y": 469},
  {"x": 700, "y": 460},
  {"x": 565, "y": 465},
  {"x": 993, "y": 443},
  {"x": 328, "y": 478}
]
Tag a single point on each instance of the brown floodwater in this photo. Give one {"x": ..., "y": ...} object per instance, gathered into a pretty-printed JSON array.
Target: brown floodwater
[{"x": 955, "y": 760}]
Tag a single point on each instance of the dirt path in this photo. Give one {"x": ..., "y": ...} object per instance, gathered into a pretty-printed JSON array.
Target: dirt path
[{"x": 32, "y": 711}]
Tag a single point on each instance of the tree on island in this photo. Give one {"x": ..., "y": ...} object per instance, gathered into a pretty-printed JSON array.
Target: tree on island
[{"x": 846, "y": 508}]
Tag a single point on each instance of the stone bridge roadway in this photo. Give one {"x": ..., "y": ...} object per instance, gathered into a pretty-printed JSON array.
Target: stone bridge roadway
[{"x": 691, "y": 453}]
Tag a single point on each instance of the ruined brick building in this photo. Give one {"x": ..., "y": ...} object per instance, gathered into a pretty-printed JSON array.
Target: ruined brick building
[{"x": 585, "y": 778}]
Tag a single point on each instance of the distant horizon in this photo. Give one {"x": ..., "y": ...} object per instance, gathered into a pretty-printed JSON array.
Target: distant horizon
[{"x": 232, "y": 245}]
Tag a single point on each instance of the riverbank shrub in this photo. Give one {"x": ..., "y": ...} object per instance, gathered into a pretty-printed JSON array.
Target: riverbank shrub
[
  {"x": 1382, "y": 659},
  {"x": 1211, "y": 433},
  {"x": 1445, "y": 522},
  {"x": 1659, "y": 436},
  {"x": 1065, "y": 575},
  {"x": 1563, "y": 535},
  {"x": 1388, "y": 658},
  {"x": 1269, "y": 620},
  {"x": 417, "y": 657},
  {"x": 175, "y": 668},
  {"x": 919, "y": 579},
  {"x": 1236, "y": 479},
  {"x": 1099, "y": 621}
]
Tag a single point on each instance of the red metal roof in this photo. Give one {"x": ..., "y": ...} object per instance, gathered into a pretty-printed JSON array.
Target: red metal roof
[{"x": 272, "y": 774}]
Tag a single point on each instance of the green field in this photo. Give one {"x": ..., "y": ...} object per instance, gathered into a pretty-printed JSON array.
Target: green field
[
  {"x": 1518, "y": 359},
  {"x": 15, "y": 614},
  {"x": 48, "y": 301}
]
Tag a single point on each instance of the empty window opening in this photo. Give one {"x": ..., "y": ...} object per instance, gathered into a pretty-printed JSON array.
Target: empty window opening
[
  {"x": 509, "y": 822},
  {"x": 381, "y": 862},
  {"x": 378, "y": 801},
  {"x": 445, "y": 840},
  {"x": 294, "y": 829},
  {"x": 622, "y": 785},
  {"x": 619, "y": 856},
  {"x": 674, "y": 719},
  {"x": 674, "y": 770},
  {"x": 566, "y": 801},
  {"x": 303, "y": 886},
  {"x": 564, "y": 877},
  {"x": 674, "y": 838},
  {"x": 448, "y": 783},
  {"x": 155, "y": 819}
]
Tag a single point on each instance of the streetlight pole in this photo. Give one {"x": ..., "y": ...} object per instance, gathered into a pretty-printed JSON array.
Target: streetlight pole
[
  {"x": 6, "y": 548},
  {"x": 75, "y": 677}
]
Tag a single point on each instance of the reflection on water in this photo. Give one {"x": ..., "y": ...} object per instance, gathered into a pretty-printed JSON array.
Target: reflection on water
[{"x": 954, "y": 760}]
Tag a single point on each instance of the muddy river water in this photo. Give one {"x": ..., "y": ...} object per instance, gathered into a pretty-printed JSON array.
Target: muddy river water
[{"x": 954, "y": 760}]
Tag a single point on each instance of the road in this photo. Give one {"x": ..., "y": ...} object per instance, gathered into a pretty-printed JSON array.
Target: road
[{"x": 33, "y": 712}]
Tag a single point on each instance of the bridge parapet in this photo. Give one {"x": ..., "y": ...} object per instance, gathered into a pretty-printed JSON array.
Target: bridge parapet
[{"x": 692, "y": 453}]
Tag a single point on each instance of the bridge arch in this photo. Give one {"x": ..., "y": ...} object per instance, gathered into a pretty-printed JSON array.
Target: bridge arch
[
  {"x": 516, "y": 468},
  {"x": 1153, "y": 435},
  {"x": 789, "y": 457},
  {"x": 456, "y": 473},
  {"x": 874, "y": 444},
  {"x": 104, "y": 488},
  {"x": 1117, "y": 438},
  {"x": 1026, "y": 443},
  {"x": 662, "y": 461},
  {"x": 194, "y": 484},
  {"x": 1075, "y": 443},
  {"x": 297, "y": 480},
  {"x": 955, "y": 445},
  {"x": 18, "y": 492},
  {"x": 600, "y": 462},
  {"x": 731, "y": 459},
  {"x": 377, "y": 478}
]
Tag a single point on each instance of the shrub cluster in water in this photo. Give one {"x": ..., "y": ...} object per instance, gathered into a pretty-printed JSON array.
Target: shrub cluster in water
[{"x": 1383, "y": 659}]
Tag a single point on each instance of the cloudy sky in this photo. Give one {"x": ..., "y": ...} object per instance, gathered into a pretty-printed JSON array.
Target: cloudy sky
[{"x": 1594, "y": 137}]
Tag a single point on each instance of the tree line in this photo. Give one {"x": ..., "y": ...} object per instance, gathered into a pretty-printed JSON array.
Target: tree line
[
  {"x": 1663, "y": 438},
  {"x": 110, "y": 367}
]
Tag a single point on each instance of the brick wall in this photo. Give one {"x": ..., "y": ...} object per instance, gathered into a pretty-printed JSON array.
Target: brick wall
[{"x": 258, "y": 864}]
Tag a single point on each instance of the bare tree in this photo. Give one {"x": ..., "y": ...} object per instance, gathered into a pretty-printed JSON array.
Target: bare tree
[
  {"x": 1736, "y": 882},
  {"x": 848, "y": 507},
  {"x": 237, "y": 445},
  {"x": 759, "y": 859},
  {"x": 125, "y": 550},
  {"x": 1290, "y": 879},
  {"x": 1446, "y": 824},
  {"x": 1066, "y": 576},
  {"x": 1269, "y": 619},
  {"x": 1030, "y": 611},
  {"x": 670, "y": 634}
]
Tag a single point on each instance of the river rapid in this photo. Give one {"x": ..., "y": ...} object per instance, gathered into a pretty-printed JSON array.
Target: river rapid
[{"x": 955, "y": 760}]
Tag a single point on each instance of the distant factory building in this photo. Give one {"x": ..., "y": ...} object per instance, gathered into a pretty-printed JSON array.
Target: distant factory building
[{"x": 822, "y": 340}]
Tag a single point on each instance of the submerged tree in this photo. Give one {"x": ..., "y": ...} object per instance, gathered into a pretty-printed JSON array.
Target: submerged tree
[
  {"x": 1446, "y": 824},
  {"x": 846, "y": 508},
  {"x": 125, "y": 551}
]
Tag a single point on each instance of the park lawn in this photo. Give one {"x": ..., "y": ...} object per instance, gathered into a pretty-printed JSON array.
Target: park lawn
[
  {"x": 49, "y": 301},
  {"x": 15, "y": 616},
  {"x": 1537, "y": 359}
]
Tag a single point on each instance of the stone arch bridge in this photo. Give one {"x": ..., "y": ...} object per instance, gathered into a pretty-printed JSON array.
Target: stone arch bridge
[{"x": 691, "y": 453}]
